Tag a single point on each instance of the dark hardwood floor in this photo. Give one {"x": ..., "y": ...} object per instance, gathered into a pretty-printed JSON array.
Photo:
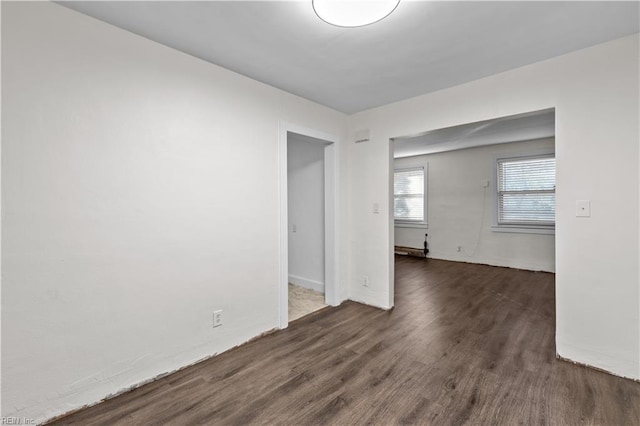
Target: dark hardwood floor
[{"x": 465, "y": 344}]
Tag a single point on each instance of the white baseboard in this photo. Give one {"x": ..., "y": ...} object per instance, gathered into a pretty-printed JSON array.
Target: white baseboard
[
  {"x": 504, "y": 263},
  {"x": 373, "y": 305},
  {"x": 306, "y": 283}
]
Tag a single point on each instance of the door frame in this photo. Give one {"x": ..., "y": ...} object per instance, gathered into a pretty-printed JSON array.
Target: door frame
[{"x": 331, "y": 237}]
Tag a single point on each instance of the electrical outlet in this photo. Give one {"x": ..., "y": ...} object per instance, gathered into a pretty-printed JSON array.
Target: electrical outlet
[
  {"x": 365, "y": 281},
  {"x": 217, "y": 318},
  {"x": 294, "y": 228}
]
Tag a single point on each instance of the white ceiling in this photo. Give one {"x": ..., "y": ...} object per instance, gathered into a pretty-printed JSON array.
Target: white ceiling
[
  {"x": 420, "y": 48},
  {"x": 514, "y": 128}
]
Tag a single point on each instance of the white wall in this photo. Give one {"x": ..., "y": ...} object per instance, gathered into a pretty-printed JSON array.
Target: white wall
[
  {"x": 117, "y": 237},
  {"x": 595, "y": 94},
  {"x": 305, "y": 166},
  {"x": 121, "y": 162},
  {"x": 461, "y": 210}
]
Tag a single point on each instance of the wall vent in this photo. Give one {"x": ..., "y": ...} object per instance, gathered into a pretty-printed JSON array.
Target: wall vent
[{"x": 362, "y": 136}]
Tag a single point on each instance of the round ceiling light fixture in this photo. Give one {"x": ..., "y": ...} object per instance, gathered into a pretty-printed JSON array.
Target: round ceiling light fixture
[{"x": 353, "y": 13}]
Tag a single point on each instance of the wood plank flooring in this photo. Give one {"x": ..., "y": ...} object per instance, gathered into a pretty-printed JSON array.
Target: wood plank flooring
[{"x": 465, "y": 344}]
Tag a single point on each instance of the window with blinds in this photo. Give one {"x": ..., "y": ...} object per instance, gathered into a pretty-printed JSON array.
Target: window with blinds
[
  {"x": 527, "y": 191},
  {"x": 408, "y": 195}
]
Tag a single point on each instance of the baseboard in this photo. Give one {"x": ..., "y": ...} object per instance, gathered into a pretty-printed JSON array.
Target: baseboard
[
  {"x": 581, "y": 364},
  {"x": 306, "y": 283},
  {"x": 373, "y": 305},
  {"x": 599, "y": 358},
  {"x": 503, "y": 263},
  {"x": 137, "y": 385}
]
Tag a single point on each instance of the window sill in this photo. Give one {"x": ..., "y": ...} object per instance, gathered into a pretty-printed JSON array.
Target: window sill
[
  {"x": 411, "y": 225},
  {"x": 524, "y": 229}
]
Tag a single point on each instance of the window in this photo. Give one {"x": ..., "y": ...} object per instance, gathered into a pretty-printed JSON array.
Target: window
[
  {"x": 408, "y": 196},
  {"x": 527, "y": 192}
]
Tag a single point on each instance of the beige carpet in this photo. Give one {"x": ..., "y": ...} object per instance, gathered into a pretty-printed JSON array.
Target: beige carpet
[{"x": 303, "y": 301}]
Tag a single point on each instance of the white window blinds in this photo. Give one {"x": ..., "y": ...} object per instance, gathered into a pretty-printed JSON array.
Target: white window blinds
[
  {"x": 527, "y": 191},
  {"x": 408, "y": 195}
]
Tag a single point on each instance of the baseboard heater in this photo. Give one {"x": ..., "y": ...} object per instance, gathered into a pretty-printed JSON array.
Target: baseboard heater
[{"x": 410, "y": 251}]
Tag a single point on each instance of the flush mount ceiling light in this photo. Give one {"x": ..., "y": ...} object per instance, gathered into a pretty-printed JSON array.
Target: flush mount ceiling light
[{"x": 353, "y": 13}]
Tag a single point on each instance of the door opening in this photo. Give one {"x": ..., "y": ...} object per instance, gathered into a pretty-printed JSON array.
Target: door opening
[
  {"x": 305, "y": 198},
  {"x": 482, "y": 193},
  {"x": 308, "y": 213}
]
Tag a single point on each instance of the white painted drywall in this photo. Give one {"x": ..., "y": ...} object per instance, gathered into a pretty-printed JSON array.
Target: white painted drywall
[
  {"x": 139, "y": 193},
  {"x": 305, "y": 167},
  {"x": 461, "y": 210},
  {"x": 595, "y": 93}
]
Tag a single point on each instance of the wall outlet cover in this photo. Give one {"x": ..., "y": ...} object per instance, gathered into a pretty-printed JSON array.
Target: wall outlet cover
[{"x": 217, "y": 318}]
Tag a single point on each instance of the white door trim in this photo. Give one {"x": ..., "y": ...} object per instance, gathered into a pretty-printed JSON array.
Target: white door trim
[{"x": 331, "y": 179}]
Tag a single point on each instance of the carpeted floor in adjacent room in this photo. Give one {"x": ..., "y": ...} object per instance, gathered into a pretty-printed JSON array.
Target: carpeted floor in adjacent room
[{"x": 303, "y": 301}]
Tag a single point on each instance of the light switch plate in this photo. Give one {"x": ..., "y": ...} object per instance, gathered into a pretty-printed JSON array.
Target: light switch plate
[
  {"x": 583, "y": 208},
  {"x": 376, "y": 208}
]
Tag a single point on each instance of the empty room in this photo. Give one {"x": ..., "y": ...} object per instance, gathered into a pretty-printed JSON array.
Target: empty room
[{"x": 320, "y": 212}]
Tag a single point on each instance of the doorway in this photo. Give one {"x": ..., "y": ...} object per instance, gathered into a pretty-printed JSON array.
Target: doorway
[
  {"x": 308, "y": 214},
  {"x": 305, "y": 198},
  {"x": 480, "y": 192}
]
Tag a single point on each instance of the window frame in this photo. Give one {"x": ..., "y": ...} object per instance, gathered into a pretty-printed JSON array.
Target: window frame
[
  {"x": 400, "y": 223},
  {"x": 519, "y": 228}
]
